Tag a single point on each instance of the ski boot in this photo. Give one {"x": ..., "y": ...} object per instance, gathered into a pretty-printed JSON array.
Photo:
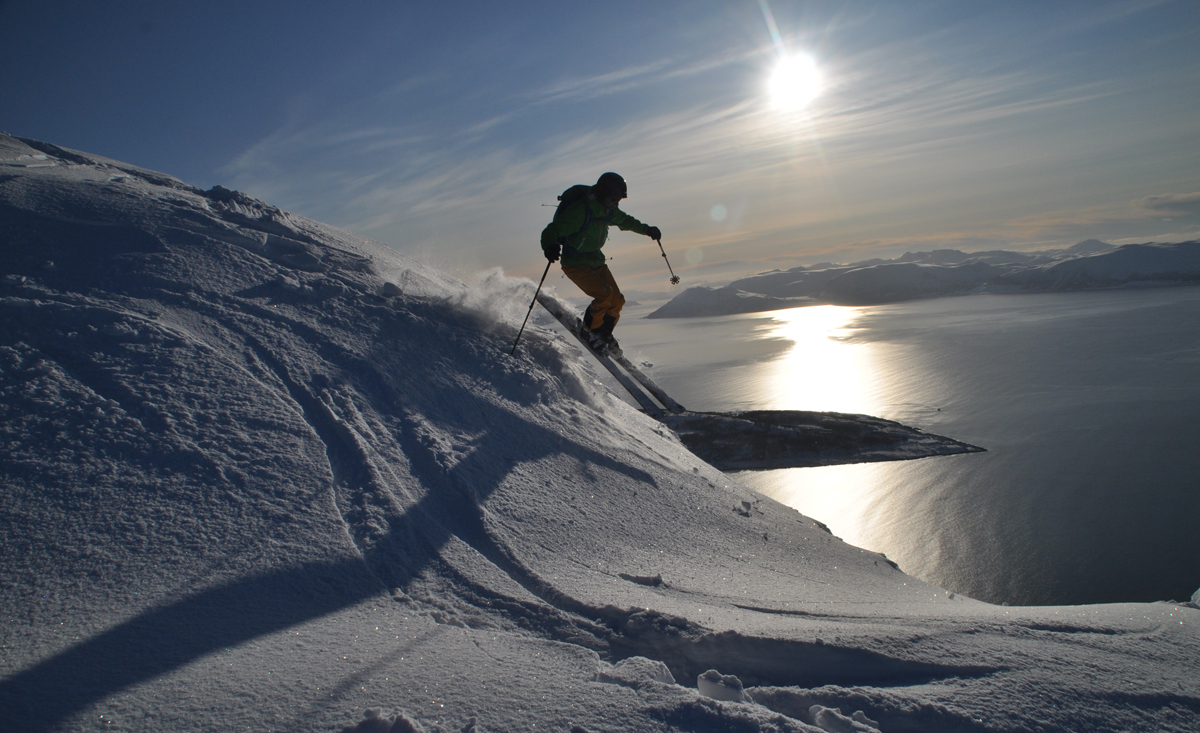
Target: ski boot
[
  {"x": 605, "y": 332},
  {"x": 597, "y": 342}
]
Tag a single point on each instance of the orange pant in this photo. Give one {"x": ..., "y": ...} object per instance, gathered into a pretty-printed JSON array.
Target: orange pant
[{"x": 597, "y": 282}]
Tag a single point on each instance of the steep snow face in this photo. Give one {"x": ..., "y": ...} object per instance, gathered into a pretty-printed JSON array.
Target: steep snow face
[{"x": 260, "y": 473}]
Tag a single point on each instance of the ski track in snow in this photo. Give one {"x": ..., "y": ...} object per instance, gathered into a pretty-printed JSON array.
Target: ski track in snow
[{"x": 260, "y": 473}]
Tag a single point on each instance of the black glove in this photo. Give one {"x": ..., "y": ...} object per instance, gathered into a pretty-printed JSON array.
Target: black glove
[
  {"x": 655, "y": 233},
  {"x": 553, "y": 252}
]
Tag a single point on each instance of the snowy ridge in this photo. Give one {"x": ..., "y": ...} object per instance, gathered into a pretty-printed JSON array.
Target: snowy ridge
[
  {"x": 1088, "y": 265},
  {"x": 262, "y": 474}
]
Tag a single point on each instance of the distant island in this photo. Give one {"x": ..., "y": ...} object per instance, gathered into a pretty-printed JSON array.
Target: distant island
[{"x": 1088, "y": 265}]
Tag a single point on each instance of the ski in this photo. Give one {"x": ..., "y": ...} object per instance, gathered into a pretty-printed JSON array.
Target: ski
[
  {"x": 649, "y": 384},
  {"x": 575, "y": 326}
]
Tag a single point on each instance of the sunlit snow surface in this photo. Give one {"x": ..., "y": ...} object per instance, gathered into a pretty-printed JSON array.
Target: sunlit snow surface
[{"x": 261, "y": 474}]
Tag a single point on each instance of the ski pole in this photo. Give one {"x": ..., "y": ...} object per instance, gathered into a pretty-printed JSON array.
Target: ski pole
[
  {"x": 674, "y": 277},
  {"x": 535, "y": 295}
]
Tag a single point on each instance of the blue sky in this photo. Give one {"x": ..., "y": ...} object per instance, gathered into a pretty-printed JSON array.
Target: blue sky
[{"x": 444, "y": 128}]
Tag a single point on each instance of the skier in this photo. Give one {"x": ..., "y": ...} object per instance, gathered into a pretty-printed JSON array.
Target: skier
[{"x": 578, "y": 231}]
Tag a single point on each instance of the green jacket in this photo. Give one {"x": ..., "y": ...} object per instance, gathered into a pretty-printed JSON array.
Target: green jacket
[{"x": 582, "y": 228}]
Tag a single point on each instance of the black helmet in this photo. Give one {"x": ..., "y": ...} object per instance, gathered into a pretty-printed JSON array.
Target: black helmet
[{"x": 610, "y": 185}]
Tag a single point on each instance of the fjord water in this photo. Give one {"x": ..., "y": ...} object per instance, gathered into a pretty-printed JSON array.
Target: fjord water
[{"x": 1087, "y": 403}]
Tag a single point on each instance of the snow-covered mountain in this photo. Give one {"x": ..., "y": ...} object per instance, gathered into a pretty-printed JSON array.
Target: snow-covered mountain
[
  {"x": 262, "y": 474},
  {"x": 1088, "y": 265}
]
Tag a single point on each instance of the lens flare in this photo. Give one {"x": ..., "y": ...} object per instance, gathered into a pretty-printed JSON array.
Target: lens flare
[{"x": 795, "y": 82}]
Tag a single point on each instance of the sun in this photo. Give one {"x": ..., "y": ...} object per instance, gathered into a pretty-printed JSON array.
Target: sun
[{"x": 795, "y": 82}]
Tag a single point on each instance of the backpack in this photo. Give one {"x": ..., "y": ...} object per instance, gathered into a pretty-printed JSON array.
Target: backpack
[{"x": 570, "y": 196}]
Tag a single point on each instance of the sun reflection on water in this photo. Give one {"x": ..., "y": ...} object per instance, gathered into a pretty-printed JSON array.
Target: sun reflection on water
[{"x": 824, "y": 370}]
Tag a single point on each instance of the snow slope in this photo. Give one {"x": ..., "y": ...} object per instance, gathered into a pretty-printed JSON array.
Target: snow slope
[
  {"x": 261, "y": 474},
  {"x": 1088, "y": 265}
]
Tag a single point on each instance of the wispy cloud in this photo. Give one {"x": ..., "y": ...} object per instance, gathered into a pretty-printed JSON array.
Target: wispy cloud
[
  {"x": 633, "y": 77},
  {"x": 599, "y": 85},
  {"x": 1171, "y": 203},
  {"x": 1114, "y": 12}
]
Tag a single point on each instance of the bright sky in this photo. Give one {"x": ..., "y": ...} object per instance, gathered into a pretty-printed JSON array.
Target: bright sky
[{"x": 442, "y": 128}]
